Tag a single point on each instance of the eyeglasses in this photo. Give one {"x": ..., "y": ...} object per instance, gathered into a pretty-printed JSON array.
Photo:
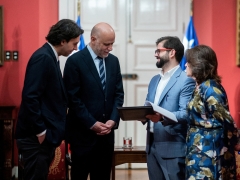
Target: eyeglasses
[{"x": 161, "y": 49}]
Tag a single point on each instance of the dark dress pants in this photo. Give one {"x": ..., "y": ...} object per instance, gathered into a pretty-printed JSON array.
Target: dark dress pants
[
  {"x": 97, "y": 162},
  {"x": 36, "y": 158}
]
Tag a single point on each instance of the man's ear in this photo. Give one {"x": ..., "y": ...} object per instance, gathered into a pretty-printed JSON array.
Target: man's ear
[
  {"x": 93, "y": 39},
  {"x": 172, "y": 53},
  {"x": 63, "y": 41}
]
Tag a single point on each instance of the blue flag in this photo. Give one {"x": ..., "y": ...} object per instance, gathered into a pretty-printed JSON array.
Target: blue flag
[
  {"x": 189, "y": 41},
  {"x": 81, "y": 43}
]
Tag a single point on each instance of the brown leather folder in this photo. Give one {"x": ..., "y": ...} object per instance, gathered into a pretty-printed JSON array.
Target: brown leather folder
[{"x": 135, "y": 112}]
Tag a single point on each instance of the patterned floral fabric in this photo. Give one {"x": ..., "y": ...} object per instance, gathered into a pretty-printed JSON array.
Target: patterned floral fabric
[
  {"x": 211, "y": 136},
  {"x": 237, "y": 155}
]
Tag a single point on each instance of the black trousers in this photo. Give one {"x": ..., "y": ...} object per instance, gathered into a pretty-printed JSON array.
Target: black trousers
[
  {"x": 35, "y": 158},
  {"x": 97, "y": 162}
]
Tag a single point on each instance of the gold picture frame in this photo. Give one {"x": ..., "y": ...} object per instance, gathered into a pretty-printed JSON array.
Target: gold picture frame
[
  {"x": 238, "y": 34},
  {"x": 1, "y": 37}
]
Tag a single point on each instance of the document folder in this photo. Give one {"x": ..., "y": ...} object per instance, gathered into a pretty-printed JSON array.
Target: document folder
[
  {"x": 135, "y": 112},
  {"x": 140, "y": 112}
]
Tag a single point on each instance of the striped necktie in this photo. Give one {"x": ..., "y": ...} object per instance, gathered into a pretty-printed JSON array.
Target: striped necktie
[{"x": 102, "y": 72}]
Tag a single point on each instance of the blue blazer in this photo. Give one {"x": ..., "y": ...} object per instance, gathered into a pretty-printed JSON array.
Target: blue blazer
[
  {"x": 170, "y": 137},
  {"x": 44, "y": 100},
  {"x": 88, "y": 102}
]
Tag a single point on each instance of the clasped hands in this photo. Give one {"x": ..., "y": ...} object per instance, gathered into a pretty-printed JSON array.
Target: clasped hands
[{"x": 103, "y": 128}]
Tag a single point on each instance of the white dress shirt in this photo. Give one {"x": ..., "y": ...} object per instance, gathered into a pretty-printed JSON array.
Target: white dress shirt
[
  {"x": 96, "y": 60},
  {"x": 161, "y": 85}
]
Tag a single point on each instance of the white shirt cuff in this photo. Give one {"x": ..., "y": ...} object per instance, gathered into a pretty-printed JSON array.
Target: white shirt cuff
[
  {"x": 42, "y": 133},
  {"x": 93, "y": 125}
]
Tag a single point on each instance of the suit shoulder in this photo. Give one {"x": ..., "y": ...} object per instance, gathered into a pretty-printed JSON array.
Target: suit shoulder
[
  {"x": 79, "y": 54},
  {"x": 186, "y": 81},
  {"x": 183, "y": 75},
  {"x": 112, "y": 56},
  {"x": 76, "y": 55},
  {"x": 45, "y": 49},
  {"x": 155, "y": 77},
  {"x": 41, "y": 54}
]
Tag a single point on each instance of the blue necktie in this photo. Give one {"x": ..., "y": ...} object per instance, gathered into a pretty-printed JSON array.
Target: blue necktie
[{"x": 102, "y": 72}]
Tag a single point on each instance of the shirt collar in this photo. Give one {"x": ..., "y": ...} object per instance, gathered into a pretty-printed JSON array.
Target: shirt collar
[
  {"x": 168, "y": 73},
  {"x": 55, "y": 52},
  {"x": 94, "y": 56}
]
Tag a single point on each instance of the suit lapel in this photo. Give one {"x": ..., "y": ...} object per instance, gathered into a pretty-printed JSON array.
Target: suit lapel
[
  {"x": 170, "y": 83},
  {"x": 60, "y": 79},
  {"x": 57, "y": 68},
  {"x": 153, "y": 88},
  {"x": 151, "y": 96},
  {"x": 92, "y": 68},
  {"x": 107, "y": 71}
]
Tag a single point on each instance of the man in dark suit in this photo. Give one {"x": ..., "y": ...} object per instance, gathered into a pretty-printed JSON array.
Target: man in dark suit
[
  {"x": 94, "y": 94},
  {"x": 41, "y": 120}
]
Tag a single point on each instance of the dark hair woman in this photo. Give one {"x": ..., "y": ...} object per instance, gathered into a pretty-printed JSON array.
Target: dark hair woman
[{"x": 212, "y": 134}]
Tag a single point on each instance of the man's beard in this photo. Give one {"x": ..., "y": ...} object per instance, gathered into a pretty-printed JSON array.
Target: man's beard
[{"x": 161, "y": 62}]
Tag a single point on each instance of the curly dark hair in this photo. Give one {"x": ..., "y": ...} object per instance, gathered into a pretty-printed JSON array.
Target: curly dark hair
[
  {"x": 173, "y": 42},
  {"x": 203, "y": 62},
  {"x": 64, "y": 29}
]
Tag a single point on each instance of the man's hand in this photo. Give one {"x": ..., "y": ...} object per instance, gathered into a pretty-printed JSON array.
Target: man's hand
[
  {"x": 154, "y": 117},
  {"x": 98, "y": 127},
  {"x": 109, "y": 124},
  {"x": 41, "y": 138}
]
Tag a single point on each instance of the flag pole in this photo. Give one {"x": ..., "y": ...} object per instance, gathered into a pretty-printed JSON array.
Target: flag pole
[
  {"x": 81, "y": 44},
  {"x": 78, "y": 8},
  {"x": 190, "y": 38},
  {"x": 191, "y": 8}
]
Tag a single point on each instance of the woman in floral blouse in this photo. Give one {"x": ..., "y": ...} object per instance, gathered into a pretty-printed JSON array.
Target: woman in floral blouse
[{"x": 212, "y": 134}]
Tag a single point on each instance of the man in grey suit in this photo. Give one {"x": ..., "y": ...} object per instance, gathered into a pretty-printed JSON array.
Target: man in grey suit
[{"x": 171, "y": 89}]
